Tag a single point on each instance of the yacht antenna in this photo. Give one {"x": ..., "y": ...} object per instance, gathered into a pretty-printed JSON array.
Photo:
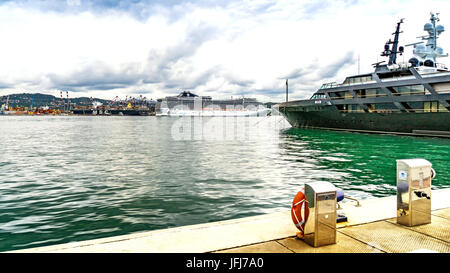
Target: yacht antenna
[
  {"x": 392, "y": 52},
  {"x": 433, "y": 20},
  {"x": 286, "y": 90},
  {"x": 430, "y": 51}
]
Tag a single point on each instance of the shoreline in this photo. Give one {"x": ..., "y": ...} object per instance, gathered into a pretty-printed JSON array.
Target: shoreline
[{"x": 275, "y": 233}]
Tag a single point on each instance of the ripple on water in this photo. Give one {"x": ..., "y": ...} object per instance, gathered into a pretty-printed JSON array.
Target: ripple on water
[{"x": 76, "y": 178}]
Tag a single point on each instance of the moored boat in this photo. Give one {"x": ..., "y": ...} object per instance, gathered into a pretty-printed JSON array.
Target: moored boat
[
  {"x": 189, "y": 104},
  {"x": 402, "y": 98}
]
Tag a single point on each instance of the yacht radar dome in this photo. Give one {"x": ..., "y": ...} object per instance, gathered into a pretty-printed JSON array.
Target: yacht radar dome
[{"x": 428, "y": 53}]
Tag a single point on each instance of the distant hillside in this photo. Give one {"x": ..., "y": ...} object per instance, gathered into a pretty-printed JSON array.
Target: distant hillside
[{"x": 40, "y": 100}]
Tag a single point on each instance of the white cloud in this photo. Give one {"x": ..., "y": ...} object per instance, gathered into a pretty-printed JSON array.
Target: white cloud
[
  {"x": 237, "y": 47},
  {"x": 73, "y": 2}
]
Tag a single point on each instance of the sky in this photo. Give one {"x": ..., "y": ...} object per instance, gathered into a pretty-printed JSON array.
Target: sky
[{"x": 223, "y": 49}]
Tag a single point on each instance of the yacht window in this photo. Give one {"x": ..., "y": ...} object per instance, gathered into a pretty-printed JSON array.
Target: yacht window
[
  {"x": 356, "y": 108},
  {"x": 382, "y": 107},
  {"x": 341, "y": 95},
  {"x": 416, "y": 106},
  {"x": 358, "y": 79},
  {"x": 374, "y": 92},
  {"x": 409, "y": 90},
  {"x": 318, "y": 96},
  {"x": 342, "y": 108},
  {"x": 371, "y": 93},
  {"x": 430, "y": 106},
  {"x": 417, "y": 89},
  {"x": 442, "y": 108},
  {"x": 361, "y": 93}
]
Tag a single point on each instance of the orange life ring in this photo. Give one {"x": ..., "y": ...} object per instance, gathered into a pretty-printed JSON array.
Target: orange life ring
[{"x": 300, "y": 211}]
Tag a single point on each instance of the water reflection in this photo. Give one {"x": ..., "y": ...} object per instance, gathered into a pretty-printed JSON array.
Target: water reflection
[{"x": 366, "y": 163}]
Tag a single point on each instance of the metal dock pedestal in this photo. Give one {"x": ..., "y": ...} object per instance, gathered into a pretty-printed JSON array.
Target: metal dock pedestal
[
  {"x": 414, "y": 192},
  {"x": 320, "y": 229}
]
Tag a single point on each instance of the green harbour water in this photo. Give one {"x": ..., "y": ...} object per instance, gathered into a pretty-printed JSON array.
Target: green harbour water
[{"x": 74, "y": 178}]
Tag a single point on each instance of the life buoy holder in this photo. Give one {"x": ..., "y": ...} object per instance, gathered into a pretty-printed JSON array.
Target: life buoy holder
[{"x": 300, "y": 211}]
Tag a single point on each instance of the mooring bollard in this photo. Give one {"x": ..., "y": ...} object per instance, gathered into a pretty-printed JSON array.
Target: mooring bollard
[
  {"x": 414, "y": 192},
  {"x": 320, "y": 229}
]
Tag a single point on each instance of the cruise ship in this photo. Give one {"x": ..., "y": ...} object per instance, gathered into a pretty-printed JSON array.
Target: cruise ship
[
  {"x": 397, "y": 98},
  {"x": 190, "y": 104}
]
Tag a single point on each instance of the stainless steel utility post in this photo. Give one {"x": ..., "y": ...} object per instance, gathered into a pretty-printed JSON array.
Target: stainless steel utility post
[
  {"x": 414, "y": 192},
  {"x": 320, "y": 229}
]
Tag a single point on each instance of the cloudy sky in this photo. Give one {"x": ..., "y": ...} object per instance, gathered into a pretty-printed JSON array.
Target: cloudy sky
[{"x": 218, "y": 48}]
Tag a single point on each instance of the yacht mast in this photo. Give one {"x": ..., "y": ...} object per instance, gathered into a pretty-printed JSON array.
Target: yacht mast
[{"x": 392, "y": 52}]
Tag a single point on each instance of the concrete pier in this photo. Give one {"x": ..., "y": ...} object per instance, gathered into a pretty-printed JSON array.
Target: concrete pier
[{"x": 371, "y": 227}]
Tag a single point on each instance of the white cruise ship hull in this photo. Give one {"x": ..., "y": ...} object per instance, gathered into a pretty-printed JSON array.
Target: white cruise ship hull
[{"x": 215, "y": 113}]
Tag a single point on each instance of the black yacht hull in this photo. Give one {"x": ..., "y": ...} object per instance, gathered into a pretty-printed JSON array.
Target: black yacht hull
[{"x": 427, "y": 123}]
